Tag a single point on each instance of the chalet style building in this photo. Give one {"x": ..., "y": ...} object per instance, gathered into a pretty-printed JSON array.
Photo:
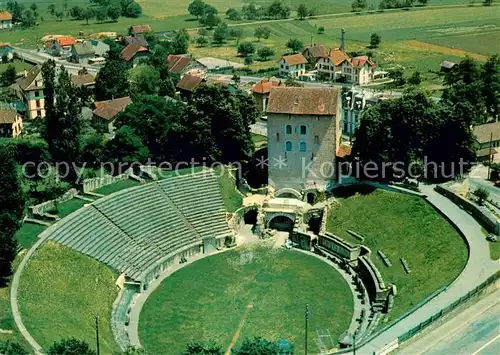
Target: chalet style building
[
  {"x": 303, "y": 136},
  {"x": 261, "y": 91},
  {"x": 292, "y": 66},
  {"x": 5, "y": 20},
  {"x": 488, "y": 139},
  {"x": 339, "y": 66},
  {"x": 30, "y": 88},
  {"x": 11, "y": 123}
]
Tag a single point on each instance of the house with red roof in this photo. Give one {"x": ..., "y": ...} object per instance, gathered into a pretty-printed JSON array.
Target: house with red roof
[
  {"x": 188, "y": 84},
  {"x": 139, "y": 30},
  {"x": 261, "y": 90},
  {"x": 293, "y": 65},
  {"x": 134, "y": 53},
  {"x": 105, "y": 112},
  {"x": 61, "y": 45},
  {"x": 339, "y": 66},
  {"x": 5, "y": 20},
  {"x": 181, "y": 64}
]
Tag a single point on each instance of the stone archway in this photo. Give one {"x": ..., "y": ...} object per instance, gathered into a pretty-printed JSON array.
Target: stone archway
[
  {"x": 288, "y": 193},
  {"x": 281, "y": 222},
  {"x": 250, "y": 216}
]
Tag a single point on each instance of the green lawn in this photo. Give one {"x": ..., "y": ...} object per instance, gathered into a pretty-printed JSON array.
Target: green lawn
[
  {"x": 258, "y": 139},
  {"x": 117, "y": 186},
  {"x": 212, "y": 297},
  {"x": 18, "y": 64},
  {"x": 61, "y": 291},
  {"x": 27, "y": 235},
  {"x": 403, "y": 226},
  {"x": 231, "y": 196},
  {"x": 66, "y": 208},
  {"x": 494, "y": 250}
]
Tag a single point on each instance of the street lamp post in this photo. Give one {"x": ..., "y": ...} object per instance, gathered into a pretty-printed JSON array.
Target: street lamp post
[{"x": 307, "y": 319}]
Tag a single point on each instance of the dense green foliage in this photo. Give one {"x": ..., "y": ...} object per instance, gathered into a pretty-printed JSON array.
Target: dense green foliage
[
  {"x": 70, "y": 346},
  {"x": 11, "y": 348},
  {"x": 250, "y": 286},
  {"x": 112, "y": 81}
]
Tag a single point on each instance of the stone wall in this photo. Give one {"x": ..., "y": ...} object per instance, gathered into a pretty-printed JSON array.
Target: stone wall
[
  {"x": 480, "y": 213},
  {"x": 95, "y": 183},
  {"x": 302, "y": 239},
  {"x": 372, "y": 279},
  {"x": 49, "y": 206},
  {"x": 338, "y": 246}
]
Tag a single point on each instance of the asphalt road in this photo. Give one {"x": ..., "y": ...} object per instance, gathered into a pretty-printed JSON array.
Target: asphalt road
[{"x": 475, "y": 331}]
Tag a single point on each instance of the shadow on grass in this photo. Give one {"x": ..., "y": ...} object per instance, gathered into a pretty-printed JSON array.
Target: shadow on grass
[{"x": 351, "y": 190}]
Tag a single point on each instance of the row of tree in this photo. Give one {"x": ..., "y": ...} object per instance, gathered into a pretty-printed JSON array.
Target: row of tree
[{"x": 107, "y": 10}]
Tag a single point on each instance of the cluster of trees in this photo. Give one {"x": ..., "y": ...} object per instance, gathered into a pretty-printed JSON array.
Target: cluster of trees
[
  {"x": 27, "y": 17},
  {"x": 415, "y": 129},
  {"x": 106, "y": 9},
  {"x": 394, "y": 4}
]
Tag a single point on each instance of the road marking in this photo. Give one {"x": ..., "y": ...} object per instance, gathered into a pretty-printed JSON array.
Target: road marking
[
  {"x": 485, "y": 345},
  {"x": 454, "y": 331}
]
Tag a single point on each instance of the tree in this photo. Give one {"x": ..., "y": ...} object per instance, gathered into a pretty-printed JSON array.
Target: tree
[
  {"x": 52, "y": 9},
  {"x": 87, "y": 15},
  {"x": 236, "y": 79},
  {"x": 294, "y": 45},
  {"x": 248, "y": 60},
  {"x": 76, "y": 12},
  {"x": 302, "y": 11},
  {"x": 291, "y": 82},
  {"x": 491, "y": 86},
  {"x": 358, "y": 5},
  {"x": 111, "y": 80},
  {"x": 250, "y": 11},
  {"x": 423, "y": 2},
  {"x": 236, "y": 33},
  {"x": 28, "y": 19},
  {"x": 180, "y": 43},
  {"x": 233, "y": 14},
  {"x": 321, "y": 30},
  {"x": 200, "y": 348},
  {"x": 258, "y": 346},
  {"x": 131, "y": 9},
  {"x": 265, "y": 52},
  {"x": 196, "y": 8},
  {"x": 278, "y": 11},
  {"x": 246, "y": 49},
  {"x": 374, "y": 40},
  {"x": 33, "y": 8},
  {"x": 8, "y": 77},
  {"x": 59, "y": 15},
  {"x": 397, "y": 77},
  {"x": 11, "y": 348},
  {"x": 101, "y": 14},
  {"x": 12, "y": 202},
  {"x": 210, "y": 20},
  {"x": 126, "y": 147},
  {"x": 70, "y": 346},
  {"x": 203, "y": 31},
  {"x": 220, "y": 33},
  {"x": 134, "y": 351},
  {"x": 144, "y": 80},
  {"x": 93, "y": 150},
  {"x": 487, "y": 2},
  {"x": 482, "y": 194},
  {"x": 113, "y": 12},
  {"x": 414, "y": 79},
  {"x": 201, "y": 41},
  {"x": 262, "y": 32}
]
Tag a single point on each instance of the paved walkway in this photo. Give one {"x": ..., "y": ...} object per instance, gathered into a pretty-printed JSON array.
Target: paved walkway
[{"x": 479, "y": 267}]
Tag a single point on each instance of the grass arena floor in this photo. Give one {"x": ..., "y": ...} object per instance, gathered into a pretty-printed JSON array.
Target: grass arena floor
[
  {"x": 61, "y": 291},
  {"x": 402, "y": 226},
  {"x": 246, "y": 292}
]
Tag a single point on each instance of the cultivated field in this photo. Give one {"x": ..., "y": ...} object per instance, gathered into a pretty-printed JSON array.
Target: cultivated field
[
  {"x": 406, "y": 227},
  {"x": 60, "y": 293},
  {"x": 246, "y": 293}
]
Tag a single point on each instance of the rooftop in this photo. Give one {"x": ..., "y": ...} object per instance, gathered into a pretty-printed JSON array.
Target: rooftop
[
  {"x": 25, "y": 83},
  {"x": 141, "y": 28},
  {"x": 110, "y": 108},
  {"x": 82, "y": 80},
  {"x": 177, "y": 63},
  {"x": 338, "y": 56},
  {"x": 487, "y": 131},
  {"x": 318, "y": 51},
  {"x": 190, "y": 82},
  {"x": 265, "y": 86},
  {"x": 136, "y": 40},
  {"x": 361, "y": 61},
  {"x": 130, "y": 51},
  {"x": 5, "y": 16},
  {"x": 8, "y": 115},
  {"x": 294, "y": 59},
  {"x": 65, "y": 40},
  {"x": 303, "y": 101},
  {"x": 84, "y": 48}
]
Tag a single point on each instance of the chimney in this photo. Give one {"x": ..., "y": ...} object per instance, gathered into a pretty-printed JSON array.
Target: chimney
[{"x": 342, "y": 39}]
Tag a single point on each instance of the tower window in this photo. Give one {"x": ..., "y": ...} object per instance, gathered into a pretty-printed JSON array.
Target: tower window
[
  {"x": 303, "y": 130},
  {"x": 288, "y": 146},
  {"x": 288, "y": 129},
  {"x": 277, "y": 137},
  {"x": 302, "y": 146}
]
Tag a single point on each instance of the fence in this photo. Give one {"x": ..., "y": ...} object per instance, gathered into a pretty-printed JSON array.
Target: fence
[
  {"x": 412, "y": 332},
  {"x": 50, "y": 206},
  {"x": 95, "y": 183}
]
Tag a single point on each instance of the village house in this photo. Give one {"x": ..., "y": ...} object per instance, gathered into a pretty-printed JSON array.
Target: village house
[
  {"x": 303, "y": 136},
  {"x": 488, "y": 139},
  {"x": 105, "y": 112},
  {"x": 5, "y": 20},
  {"x": 134, "y": 53},
  {"x": 188, "y": 84},
  {"x": 11, "y": 123},
  {"x": 139, "y": 30},
  {"x": 293, "y": 65},
  {"x": 86, "y": 80},
  {"x": 82, "y": 52},
  {"x": 61, "y": 46},
  {"x": 261, "y": 90},
  {"x": 338, "y": 66},
  {"x": 135, "y": 40},
  {"x": 314, "y": 53},
  {"x": 6, "y": 52},
  {"x": 30, "y": 88},
  {"x": 181, "y": 64}
]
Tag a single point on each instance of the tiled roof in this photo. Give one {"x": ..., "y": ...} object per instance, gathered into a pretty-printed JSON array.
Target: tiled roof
[
  {"x": 361, "y": 60},
  {"x": 190, "y": 82},
  {"x": 295, "y": 59},
  {"x": 483, "y": 132},
  {"x": 487, "y": 152},
  {"x": 344, "y": 151},
  {"x": 447, "y": 64},
  {"x": 26, "y": 81},
  {"x": 85, "y": 48},
  {"x": 177, "y": 63},
  {"x": 5, "y": 16},
  {"x": 136, "y": 40},
  {"x": 141, "y": 28},
  {"x": 337, "y": 56},
  {"x": 65, "y": 40},
  {"x": 303, "y": 101},
  {"x": 110, "y": 108},
  {"x": 131, "y": 50},
  {"x": 7, "y": 115},
  {"x": 265, "y": 86},
  {"x": 84, "y": 79},
  {"x": 318, "y": 51}
]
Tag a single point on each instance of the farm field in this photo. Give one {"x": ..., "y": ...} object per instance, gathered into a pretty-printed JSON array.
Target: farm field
[
  {"x": 257, "y": 291},
  {"x": 402, "y": 226},
  {"x": 61, "y": 291}
]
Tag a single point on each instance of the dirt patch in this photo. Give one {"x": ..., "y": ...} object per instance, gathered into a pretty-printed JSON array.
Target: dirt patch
[
  {"x": 445, "y": 50},
  {"x": 238, "y": 331}
]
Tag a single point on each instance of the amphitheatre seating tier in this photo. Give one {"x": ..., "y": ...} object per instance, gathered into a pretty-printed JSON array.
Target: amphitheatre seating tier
[{"x": 135, "y": 228}]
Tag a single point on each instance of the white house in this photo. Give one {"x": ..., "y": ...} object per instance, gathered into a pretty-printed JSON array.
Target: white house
[
  {"x": 339, "y": 66},
  {"x": 5, "y": 20},
  {"x": 292, "y": 65}
]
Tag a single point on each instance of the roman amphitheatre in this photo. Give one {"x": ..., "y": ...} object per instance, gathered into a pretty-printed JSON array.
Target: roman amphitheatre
[{"x": 190, "y": 257}]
